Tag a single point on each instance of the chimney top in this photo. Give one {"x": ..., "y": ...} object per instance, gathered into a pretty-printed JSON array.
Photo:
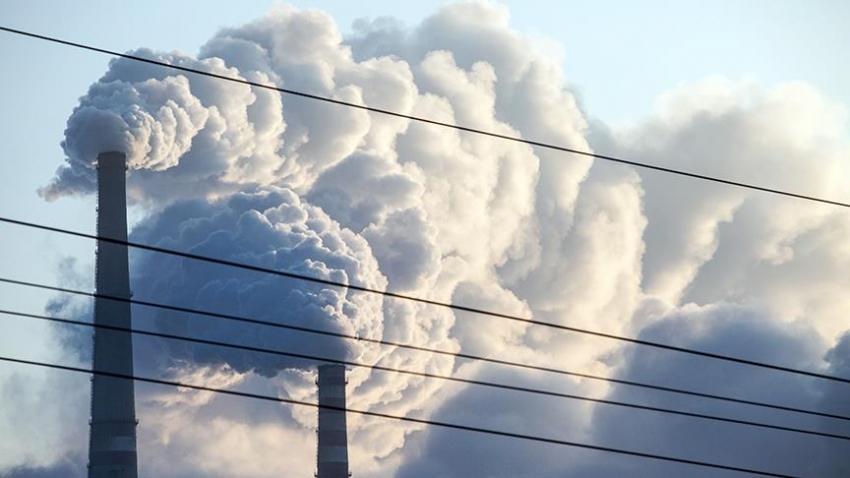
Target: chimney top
[{"x": 112, "y": 160}]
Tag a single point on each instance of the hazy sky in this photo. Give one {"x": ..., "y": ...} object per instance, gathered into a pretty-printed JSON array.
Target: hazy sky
[{"x": 754, "y": 91}]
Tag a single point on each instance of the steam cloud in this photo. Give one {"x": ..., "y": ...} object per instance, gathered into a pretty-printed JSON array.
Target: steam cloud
[{"x": 246, "y": 174}]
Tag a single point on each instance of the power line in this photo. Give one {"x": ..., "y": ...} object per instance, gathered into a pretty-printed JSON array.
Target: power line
[
  {"x": 482, "y": 383},
  {"x": 418, "y": 119},
  {"x": 454, "y": 426},
  {"x": 460, "y": 355},
  {"x": 461, "y": 308}
]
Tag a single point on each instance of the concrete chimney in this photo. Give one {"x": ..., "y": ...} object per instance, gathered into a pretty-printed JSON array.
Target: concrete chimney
[
  {"x": 333, "y": 440},
  {"x": 112, "y": 438}
]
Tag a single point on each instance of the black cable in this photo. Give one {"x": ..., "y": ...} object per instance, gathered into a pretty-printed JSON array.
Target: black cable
[
  {"x": 454, "y": 426},
  {"x": 429, "y": 121},
  {"x": 417, "y": 348},
  {"x": 462, "y": 308},
  {"x": 449, "y": 378}
]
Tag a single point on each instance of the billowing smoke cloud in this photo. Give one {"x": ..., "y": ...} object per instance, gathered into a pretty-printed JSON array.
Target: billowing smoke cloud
[
  {"x": 249, "y": 175},
  {"x": 270, "y": 228}
]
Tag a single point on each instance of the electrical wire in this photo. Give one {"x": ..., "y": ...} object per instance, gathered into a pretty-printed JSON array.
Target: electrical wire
[
  {"x": 461, "y": 308},
  {"x": 419, "y": 119},
  {"x": 455, "y": 426},
  {"x": 461, "y": 355},
  {"x": 449, "y": 378}
]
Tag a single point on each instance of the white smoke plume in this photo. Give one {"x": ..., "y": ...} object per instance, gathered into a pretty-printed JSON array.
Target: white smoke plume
[
  {"x": 251, "y": 175},
  {"x": 270, "y": 228}
]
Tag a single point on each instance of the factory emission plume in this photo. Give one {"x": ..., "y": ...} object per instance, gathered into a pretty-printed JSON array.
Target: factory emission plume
[{"x": 258, "y": 177}]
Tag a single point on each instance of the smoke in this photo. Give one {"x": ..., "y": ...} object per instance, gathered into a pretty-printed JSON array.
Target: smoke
[
  {"x": 721, "y": 328},
  {"x": 748, "y": 333},
  {"x": 253, "y": 176},
  {"x": 154, "y": 122},
  {"x": 66, "y": 471},
  {"x": 249, "y": 175},
  {"x": 269, "y": 228}
]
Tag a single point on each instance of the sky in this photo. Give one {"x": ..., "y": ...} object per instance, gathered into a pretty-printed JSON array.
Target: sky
[{"x": 750, "y": 91}]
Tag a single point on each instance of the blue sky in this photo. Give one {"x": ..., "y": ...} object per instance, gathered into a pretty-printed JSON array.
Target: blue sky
[{"x": 616, "y": 56}]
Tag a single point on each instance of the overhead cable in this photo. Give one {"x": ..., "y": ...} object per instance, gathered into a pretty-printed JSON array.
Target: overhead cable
[
  {"x": 460, "y": 355},
  {"x": 456, "y": 307},
  {"x": 482, "y": 383},
  {"x": 418, "y": 119},
  {"x": 455, "y": 426}
]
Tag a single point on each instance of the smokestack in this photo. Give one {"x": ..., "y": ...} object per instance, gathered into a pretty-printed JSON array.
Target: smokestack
[
  {"x": 112, "y": 438},
  {"x": 333, "y": 441}
]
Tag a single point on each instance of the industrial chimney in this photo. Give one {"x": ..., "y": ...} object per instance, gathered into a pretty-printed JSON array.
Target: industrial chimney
[
  {"x": 112, "y": 438},
  {"x": 333, "y": 441}
]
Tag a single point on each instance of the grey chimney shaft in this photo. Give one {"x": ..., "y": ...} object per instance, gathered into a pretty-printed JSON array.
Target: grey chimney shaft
[
  {"x": 112, "y": 438},
  {"x": 333, "y": 440}
]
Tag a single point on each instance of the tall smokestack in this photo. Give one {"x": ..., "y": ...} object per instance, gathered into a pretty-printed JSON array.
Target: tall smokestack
[
  {"x": 112, "y": 438},
  {"x": 333, "y": 440}
]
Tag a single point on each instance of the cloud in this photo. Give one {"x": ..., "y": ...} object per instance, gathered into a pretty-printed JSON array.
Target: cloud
[
  {"x": 721, "y": 328},
  {"x": 741, "y": 132},
  {"x": 47, "y": 411},
  {"x": 741, "y": 332}
]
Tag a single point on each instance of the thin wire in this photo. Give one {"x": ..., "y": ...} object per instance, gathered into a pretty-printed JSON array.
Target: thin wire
[
  {"x": 454, "y": 426},
  {"x": 449, "y": 378},
  {"x": 462, "y": 308},
  {"x": 460, "y": 355},
  {"x": 467, "y": 129}
]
